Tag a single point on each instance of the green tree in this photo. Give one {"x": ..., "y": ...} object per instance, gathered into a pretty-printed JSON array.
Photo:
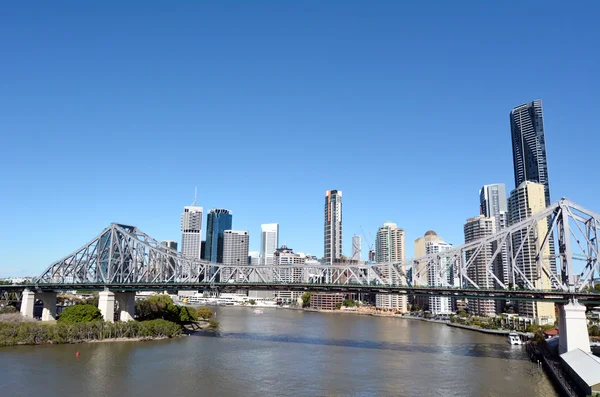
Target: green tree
[
  {"x": 306, "y": 299},
  {"x": 252, "y": 302},
  {"x": 187, "y": 314},
  {"x": 349, "y": 303},
  {"x": 80, "y": 314},
  {"x": 204, "y": 312},
  {"x": 158, "y": 306}
]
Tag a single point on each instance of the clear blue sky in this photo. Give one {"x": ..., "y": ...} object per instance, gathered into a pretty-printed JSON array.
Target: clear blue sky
[{"x": 114, "y": 111}]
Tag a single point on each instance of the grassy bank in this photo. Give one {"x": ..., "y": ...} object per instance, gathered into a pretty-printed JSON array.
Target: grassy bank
[{"x": 37, "y": 333}]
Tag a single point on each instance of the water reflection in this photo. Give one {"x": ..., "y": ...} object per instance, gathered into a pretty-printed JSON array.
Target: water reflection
[
  {"x": 283, "y": 353},
  {"x": 473, "y": 350}
]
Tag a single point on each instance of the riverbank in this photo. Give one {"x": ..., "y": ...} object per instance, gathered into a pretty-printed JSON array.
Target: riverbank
[
  {"x": 500, "y": 332},
  {"x": 40, "y": 333}
]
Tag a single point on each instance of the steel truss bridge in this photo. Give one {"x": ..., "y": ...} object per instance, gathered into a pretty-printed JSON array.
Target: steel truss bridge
[{"x": 514, "y": 263}]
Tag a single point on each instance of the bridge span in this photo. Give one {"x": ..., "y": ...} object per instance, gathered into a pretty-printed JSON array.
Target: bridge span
[
  {"x": 13, "y": 292},
  {"x": 122, "y": 260}
]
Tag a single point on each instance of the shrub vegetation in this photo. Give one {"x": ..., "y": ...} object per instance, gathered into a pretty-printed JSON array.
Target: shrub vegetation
[
  {"x": 35, "y": 333},
  {"x": 80, "y": 314}
]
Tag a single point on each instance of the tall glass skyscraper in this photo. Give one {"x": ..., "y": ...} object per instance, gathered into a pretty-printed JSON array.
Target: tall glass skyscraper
[
  {"x": 217, "y": 221},
  {"x": 529, "y": 145},
  {"x": 529, "y": 153},
  {"x": 333, "y": 226}
]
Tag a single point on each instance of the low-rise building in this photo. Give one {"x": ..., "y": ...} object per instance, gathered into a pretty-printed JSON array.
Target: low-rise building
[
  {"x": 326, "y": 301},
  {"x": 584, "y": 368}
]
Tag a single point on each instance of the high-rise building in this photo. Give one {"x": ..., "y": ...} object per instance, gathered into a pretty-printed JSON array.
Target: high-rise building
[
  {"x": 529, "y": 146},
  {"x": 420, "y": 274},
  {"x": 389, "y": 247},
  {"x": 191, "y": 231},
  {"x": 529, "y": 153},
  {"x": 285, "y": 256},
  {"x": 235, "y": 250},
  {"x": 168, "y": 270},
  {"x": 492, "y": 200},
  {"x": 372, "y": 256},
  {"x": 170, "y": 244},
  {"x": 476, "y": 228},
  {"x": 217, "y": 221},
  {"x": 493, "y": 204},
  {"x": 254, "y": 258},
  {"x": 333, "y": 226},
  {"x": 269, "y": 242},
  {"x": 356, "y": 248},
  {"x": 439, "y": 275},
  {"x": 526, "y": 200}
]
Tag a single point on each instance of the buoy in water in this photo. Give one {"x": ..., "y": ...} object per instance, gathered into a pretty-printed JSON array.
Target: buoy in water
[{"x": 77, "y": 354}]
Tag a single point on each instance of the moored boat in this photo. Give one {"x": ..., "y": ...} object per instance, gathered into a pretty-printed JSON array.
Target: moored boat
[{"x": 514, "y": 338}]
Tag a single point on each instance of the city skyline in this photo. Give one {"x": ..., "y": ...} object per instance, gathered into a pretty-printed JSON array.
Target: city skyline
[{"x": 78, "y": 112}]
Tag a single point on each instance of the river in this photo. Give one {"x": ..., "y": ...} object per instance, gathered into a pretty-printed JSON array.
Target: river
[{"x": 283, "y": 353}]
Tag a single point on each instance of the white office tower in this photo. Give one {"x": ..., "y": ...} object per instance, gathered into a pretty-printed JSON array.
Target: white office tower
[
  {"x": 493, "y": 204},
  {"x": 389, "y": 246},
  {"x": 439, "y": 275},
  {"x": 235, "y": 253},
  {"x": 269, "y": 242},
  {"x": 191, "y": 231},
  {"x": 480, "y": 262},
  {"x": 356, "y": 249}
]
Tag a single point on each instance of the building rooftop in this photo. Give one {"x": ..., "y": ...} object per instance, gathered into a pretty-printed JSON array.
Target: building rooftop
[
  {"x": 430, "y": 233},
  {"x": 551, "y": 332},
  {"x": 584, "y": 364}
]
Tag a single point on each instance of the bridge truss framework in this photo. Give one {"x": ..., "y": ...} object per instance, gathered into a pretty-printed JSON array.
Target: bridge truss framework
[{"x": 123, "y": 254}]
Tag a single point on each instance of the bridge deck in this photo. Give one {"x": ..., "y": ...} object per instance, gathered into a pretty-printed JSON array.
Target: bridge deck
[{"x": 516, "y": 294}]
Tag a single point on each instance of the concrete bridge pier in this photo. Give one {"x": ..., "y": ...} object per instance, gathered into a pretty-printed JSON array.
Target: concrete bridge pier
[
  {"x": 572, "y": 327},
  {"x": 106, "y": 304},
  {"x": 49, "y": 301},
  {"x": 126, "y": 302},
  {"x": 27, "y": 303}
]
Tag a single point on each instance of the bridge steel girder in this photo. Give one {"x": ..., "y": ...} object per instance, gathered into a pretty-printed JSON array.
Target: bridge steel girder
[{"x": 123, "y": 254}]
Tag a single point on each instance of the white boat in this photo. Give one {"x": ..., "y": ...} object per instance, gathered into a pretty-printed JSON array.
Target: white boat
[
  {"x": 514, "y": 338},
  {"x": 258, "y": 311}
]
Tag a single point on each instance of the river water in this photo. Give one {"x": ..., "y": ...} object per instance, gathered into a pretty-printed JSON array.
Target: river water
[{"x": 283, "y": 353}]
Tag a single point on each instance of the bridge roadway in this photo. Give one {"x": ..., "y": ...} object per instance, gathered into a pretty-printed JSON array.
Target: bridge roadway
[{"x": 558, "y": 296}]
